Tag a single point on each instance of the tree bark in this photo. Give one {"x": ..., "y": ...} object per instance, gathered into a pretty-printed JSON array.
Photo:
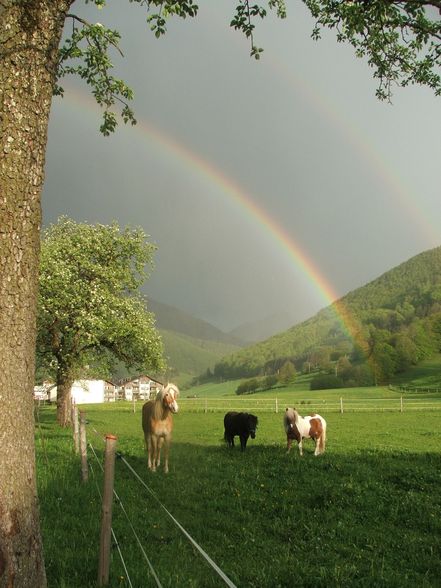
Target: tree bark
[
  {"x": 64, "y": 403},
  {"x": 30, "y": 32}
]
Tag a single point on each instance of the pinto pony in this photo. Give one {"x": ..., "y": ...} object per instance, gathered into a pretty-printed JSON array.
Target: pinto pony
[
  {"x": 309, "y": 427},
  {"x": 157, "y": 424}
]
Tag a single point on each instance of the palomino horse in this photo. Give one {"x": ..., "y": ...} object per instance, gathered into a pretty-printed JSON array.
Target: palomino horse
[
  {"x": 157, "y": 424},
  {"x": 309, "y": 427}
]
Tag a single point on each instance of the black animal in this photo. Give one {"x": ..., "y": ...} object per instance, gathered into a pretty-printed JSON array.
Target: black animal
[{"x": 242, "y": 424}]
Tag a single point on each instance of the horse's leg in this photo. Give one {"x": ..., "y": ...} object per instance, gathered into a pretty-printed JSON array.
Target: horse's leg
[
  {"x": 166, "y": 452},
  {"x": 243, "y": 442},
  {"x": 301, "y": 446},
  {"x": 317, "y": 446},
  {"x": 154, "y": 449},
  {"x": 148, "y": 442},
  {"x": 288, "y": 444},
  {"x": 160, "y": 442}
]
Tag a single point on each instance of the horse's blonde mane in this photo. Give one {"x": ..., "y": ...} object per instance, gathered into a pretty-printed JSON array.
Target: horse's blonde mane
[
  {"x": 291, "y": 414},
  {"x": 289, "y": 418},
  {"x": 158, "y": 408}
]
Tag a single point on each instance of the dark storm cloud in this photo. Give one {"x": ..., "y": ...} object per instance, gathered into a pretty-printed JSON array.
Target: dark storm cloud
[{"x": 354, "y": 182}]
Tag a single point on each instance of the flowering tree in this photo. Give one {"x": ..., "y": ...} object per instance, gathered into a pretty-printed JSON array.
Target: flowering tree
[{"x": 89, "y": 302}]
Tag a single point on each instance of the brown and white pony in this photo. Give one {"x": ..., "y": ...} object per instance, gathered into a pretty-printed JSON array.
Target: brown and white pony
[
  {"x": 309, "y": 427},
  {"x": 157, "y": 424}
]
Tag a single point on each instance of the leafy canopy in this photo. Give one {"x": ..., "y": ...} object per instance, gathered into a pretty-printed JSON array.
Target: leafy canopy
[
  {"x": 399, "y": 38},
  {"x": 89, "y": 301}
]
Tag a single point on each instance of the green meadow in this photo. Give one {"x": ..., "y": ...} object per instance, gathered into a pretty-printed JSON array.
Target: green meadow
[{"x": 366, "y": 513}]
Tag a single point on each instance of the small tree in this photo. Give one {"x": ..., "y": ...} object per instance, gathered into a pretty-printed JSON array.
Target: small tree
[
  {"x": 325, "y": 382},
  {"x": 270, "y": 381},
  {"x": 89, "y": 302},
  {"x": 287, "y": 373}
]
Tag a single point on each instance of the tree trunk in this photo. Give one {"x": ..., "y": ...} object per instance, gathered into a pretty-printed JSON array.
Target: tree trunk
[
  {"x": 30, "y": 32},
  {"x": 64, "y": 403}
]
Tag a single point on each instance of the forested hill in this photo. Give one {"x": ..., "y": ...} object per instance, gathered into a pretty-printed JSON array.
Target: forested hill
[{"x": 398, "y": 318}]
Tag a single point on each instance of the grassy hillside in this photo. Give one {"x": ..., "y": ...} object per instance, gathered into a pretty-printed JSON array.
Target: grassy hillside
[
  {"x": 391, "y": 324},
  {"x": 188, "y": 356},
  {"x": 426, "y": 374}
]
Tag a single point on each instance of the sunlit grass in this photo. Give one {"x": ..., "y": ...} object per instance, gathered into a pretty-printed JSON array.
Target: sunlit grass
[{"x": 367, "y": 513}]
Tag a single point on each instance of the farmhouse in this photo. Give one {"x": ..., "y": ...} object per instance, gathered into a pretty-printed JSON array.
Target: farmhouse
[
  {"x": 139, "y": 388},
  {"x": 82, "y": 392}
]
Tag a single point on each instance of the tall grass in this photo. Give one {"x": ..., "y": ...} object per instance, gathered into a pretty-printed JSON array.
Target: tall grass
[{"x": 367, "y": 513}]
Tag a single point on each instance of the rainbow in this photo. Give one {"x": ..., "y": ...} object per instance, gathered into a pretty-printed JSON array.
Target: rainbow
[
  {"x": 243, "y": 201},
  {"x": 423, "y": 221}
]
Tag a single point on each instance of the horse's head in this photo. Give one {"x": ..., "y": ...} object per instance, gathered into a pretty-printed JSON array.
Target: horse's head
[
  {"x": 291, "y": 415},
  {"x": 252, "y": 425},
  {"x": 169, "y": 395}
]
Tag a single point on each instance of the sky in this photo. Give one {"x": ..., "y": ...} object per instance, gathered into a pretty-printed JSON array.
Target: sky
[{"x": 269, "y": 187}]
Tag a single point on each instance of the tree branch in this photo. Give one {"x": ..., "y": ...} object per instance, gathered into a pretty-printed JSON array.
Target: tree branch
[{"x": 88, "y": 24}]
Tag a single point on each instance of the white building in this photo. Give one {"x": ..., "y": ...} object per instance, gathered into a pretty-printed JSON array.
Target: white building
[
  {"x": 82, "y": 391},
  {"x": 88, "y": 391}
]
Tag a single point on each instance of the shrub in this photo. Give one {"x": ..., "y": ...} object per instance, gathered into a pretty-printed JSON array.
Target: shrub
[{"x": 325, "y": 382}]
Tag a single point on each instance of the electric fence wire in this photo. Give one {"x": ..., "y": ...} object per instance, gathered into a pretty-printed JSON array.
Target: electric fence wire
[
  {"x": 217, "y": 569},
  {"x": 115, "y": 540},
  {"x": 204, "y": 554},
  {"x": 121, "y": 505},
  {"x": 98, "y": 434}
]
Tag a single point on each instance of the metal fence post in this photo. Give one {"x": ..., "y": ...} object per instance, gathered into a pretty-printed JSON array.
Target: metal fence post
[{"x": 106, "y": 518}]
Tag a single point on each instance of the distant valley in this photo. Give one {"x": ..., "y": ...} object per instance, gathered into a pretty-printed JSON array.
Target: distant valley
[
  {"x": 193, "y": 345},
  {"x": 369, "y": 336}
]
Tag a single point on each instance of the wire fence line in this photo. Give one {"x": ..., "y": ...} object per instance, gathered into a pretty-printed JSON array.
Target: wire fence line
[
  {"x": 119, "y": 502},
  {"x": 204, "y": 554},
  {"x": 248, "y": 404}
]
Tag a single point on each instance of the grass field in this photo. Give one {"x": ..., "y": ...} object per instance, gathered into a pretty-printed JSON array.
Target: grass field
[{"x": 367, "y": 513}]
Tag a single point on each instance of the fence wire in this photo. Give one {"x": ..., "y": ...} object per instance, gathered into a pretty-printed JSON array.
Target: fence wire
[{"x": 205, "y": 555}]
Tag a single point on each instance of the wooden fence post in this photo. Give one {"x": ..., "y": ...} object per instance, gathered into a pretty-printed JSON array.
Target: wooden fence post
[
  {"x": 341, "y": 405},
  {"x": 76, "y": 428},
  {"x": 106, "y": 518},
  {"x": 205, "y": 409},
  {"x": 401, "y": 404},
  {"x": 277, "y": 406},
  {"x": 83, "y": 447}
]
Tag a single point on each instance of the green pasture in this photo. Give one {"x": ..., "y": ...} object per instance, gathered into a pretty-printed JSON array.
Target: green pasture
[
  {"x": 367, "y": 513},
  {"x": 222, "y": 397}
]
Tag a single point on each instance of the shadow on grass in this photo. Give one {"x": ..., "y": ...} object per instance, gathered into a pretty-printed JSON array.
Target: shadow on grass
[{"x": 267, "y": 518}]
